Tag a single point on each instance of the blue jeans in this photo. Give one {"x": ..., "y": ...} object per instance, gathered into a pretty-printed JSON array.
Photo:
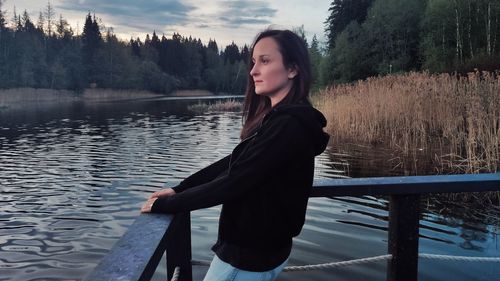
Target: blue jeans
[{"x": 222, "y": 271}]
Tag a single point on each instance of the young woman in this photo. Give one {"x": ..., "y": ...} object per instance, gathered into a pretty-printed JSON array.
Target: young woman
[{"x": 264, "y": 184}]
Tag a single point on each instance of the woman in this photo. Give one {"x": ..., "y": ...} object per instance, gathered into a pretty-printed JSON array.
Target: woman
[{"x": 264, "y": 184}]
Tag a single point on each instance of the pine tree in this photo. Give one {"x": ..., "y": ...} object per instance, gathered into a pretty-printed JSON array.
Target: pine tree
[
  {"x": 63, "y": 29},
  {"x": 148, "y": 52},
  {"x": 41, "y": 22},
  {"x": 245, "y": 54},
  {"x": 212, "y": 45},
  {"x": 315, "y": 55},
  {"x": 231, "y": 53},
  {"x": 301, "y": 32},
  {"x": 343, "y": 12},
  {"x": 91, "y": 38},
  {"x": 136, "y": 47},
  {"x": 91, "y": 41},
  {"x": 155, "y": 41},
  {"x": 27, "y": 25},
  {"x": 14, "y": 22},
  {"x": 49, "y": 15}
]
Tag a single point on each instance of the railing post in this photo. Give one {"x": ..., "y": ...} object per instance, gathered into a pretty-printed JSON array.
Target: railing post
[
  {"x": 179, "y": 247},
  {"x": 403, "y": 237}
]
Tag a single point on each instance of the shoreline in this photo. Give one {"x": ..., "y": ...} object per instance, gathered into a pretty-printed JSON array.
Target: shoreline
[
  {"x": 191, "y": 93},
  {"x": 19, "y": 97}
]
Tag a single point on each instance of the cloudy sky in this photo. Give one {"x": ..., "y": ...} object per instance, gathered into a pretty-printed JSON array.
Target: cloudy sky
[{"x": 222, "y": 20}]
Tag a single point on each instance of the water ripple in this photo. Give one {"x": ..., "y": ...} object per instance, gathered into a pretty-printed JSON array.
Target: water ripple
[{"x": 71, "y": 184}]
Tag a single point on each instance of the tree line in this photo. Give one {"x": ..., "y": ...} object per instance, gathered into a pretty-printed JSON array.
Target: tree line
[
  {"x": 376, "y": 37},
  {"x": 364, "y": 38},
  {"x": 48, "y": 54}
]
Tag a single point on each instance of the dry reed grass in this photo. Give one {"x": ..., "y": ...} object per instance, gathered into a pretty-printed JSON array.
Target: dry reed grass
[
  {"x": 225, "y": 105},
  {"x": 417, "y": 111}
]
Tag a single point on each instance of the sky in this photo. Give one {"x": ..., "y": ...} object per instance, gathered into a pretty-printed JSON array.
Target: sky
[{"x": 223, "y": 20}]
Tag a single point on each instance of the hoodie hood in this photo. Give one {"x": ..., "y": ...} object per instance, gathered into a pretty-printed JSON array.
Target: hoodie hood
[{"x": 311, "y": 118}]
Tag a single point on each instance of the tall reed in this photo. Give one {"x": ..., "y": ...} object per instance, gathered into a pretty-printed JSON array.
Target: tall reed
[
  {"x": 226, "y": 105},
  {"x": 417, "y": 111}
]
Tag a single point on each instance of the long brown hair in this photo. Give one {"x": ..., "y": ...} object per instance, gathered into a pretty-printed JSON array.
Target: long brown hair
[{"x": 294, "y": 51}]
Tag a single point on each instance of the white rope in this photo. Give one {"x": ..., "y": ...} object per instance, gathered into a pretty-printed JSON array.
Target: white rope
[
  {"x": 459, "y": 258},
  {"x": 177, "y": 269},
  {"x": 175, "y": 276},
  {"x": 371, "y": 259},
  {"x": 318, "y": 266},
  {"x": 337, "y": 264}
]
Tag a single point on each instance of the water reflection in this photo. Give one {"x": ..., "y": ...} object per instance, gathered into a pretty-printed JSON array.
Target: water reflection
[{"x": 72, "y": 180}]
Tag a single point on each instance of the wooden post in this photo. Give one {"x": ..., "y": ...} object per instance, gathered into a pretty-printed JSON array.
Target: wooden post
[
  {"x": 179, "y": 247},
  {"x": 403, "y": 237}
]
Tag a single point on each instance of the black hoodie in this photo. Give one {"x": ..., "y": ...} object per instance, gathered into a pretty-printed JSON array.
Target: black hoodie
[{"x": 264, "y": 186}]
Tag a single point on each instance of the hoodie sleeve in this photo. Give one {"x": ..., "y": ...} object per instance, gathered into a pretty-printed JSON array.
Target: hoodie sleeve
[
  {"x": 204, "y": 175},
  {"x": 279, "y": 144}
]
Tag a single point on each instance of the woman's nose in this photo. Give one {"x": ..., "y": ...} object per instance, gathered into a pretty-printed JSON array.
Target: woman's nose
[{"x": 254, "y": 70}]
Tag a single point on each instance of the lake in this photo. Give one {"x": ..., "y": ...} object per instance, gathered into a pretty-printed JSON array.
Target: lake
[{"x": 73, "y": 177}]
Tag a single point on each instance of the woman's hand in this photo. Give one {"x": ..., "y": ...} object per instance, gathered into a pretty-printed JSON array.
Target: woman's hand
[{"x": 146, "y": 208}]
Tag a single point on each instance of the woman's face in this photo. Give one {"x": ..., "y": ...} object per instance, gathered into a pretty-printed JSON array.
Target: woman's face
[{"x": 270, "y": 76}]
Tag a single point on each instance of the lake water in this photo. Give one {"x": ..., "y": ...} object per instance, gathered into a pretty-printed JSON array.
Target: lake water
[{"x": 73, "y": 178}]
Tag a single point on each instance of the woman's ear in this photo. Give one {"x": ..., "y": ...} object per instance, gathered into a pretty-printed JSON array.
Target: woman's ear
[{"x": 292, "y": 72}]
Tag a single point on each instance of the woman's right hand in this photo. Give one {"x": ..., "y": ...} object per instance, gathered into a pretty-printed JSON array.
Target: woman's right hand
[{"x": 163, "y": 193}]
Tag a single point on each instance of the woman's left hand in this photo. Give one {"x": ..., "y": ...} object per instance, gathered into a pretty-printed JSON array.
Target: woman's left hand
[{"x": 146, "y": 208}]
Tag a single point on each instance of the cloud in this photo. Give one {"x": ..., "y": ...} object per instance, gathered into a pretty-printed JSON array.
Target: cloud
[
  {"x": 232, "y": 14},
  {"x": 243, "y": 12},
  {"x": 218, "y": 17},
  {"x": 202, "y": 26},
  {"x": 141, "y": 15}
]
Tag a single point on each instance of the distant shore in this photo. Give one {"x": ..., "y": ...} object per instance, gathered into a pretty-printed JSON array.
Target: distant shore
[
  {"x": 20, "y": 97},
  {"x": 191, "y": 93}
]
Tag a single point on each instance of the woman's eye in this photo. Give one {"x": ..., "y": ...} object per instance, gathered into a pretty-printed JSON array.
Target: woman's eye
[{"x": 264, "y": 61}]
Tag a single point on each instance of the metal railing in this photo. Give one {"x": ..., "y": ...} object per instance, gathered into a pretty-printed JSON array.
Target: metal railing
[{"x": 137, "y": 254}]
